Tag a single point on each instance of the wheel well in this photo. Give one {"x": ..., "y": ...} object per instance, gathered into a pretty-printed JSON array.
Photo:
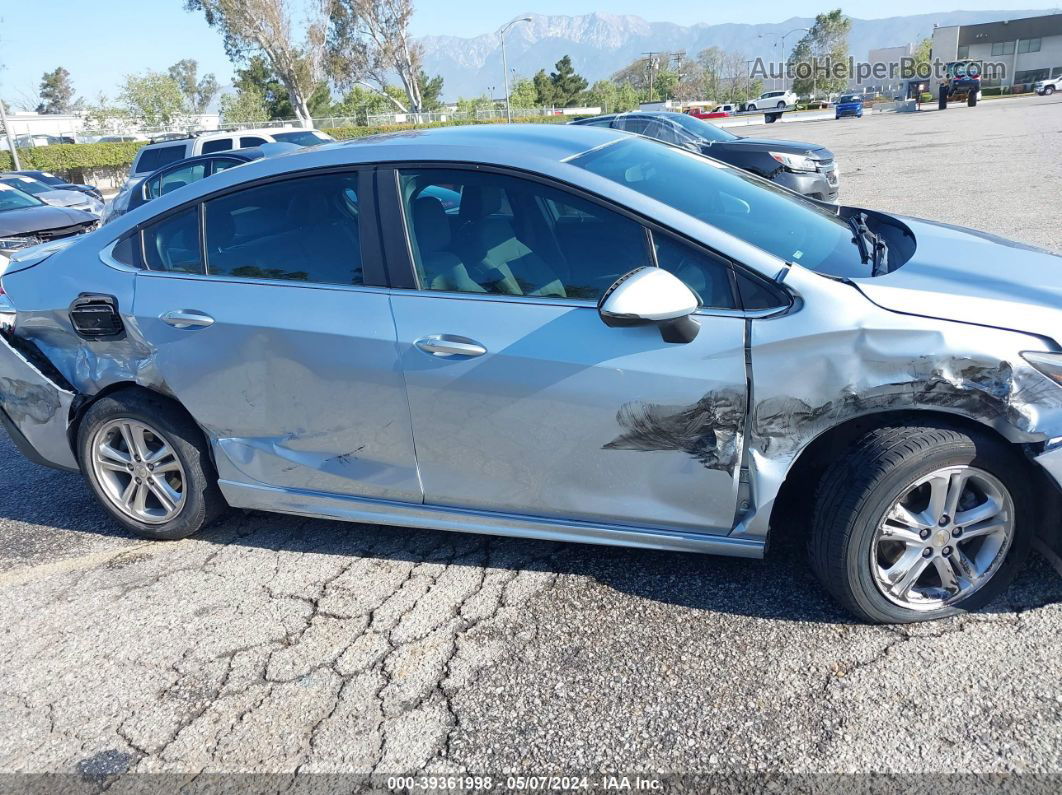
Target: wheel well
[
  {"x": 796, "y": 497},
  {"x": 83, "y": 402}
]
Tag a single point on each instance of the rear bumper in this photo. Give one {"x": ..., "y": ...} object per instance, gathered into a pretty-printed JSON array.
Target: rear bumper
[{"x": 35, "y": 410}]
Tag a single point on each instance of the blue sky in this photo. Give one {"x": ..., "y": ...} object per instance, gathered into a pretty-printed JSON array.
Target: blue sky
[{"x": 102, "y": 40}]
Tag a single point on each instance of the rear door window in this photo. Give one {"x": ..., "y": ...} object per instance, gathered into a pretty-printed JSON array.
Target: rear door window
[
  {"x": 175, "y": 178},
  {"x": 252, "y": 140},
  {"x": 172, "y": 244},
  {"x": 303, "y": 230},
  {"x": 153, "y": 159},
  {"x": 218, "y": 145}
]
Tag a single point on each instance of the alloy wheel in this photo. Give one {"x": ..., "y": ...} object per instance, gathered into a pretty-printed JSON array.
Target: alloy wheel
[
  {"x": 943, "y": 539},
  {"x": 138, "y": 471}
]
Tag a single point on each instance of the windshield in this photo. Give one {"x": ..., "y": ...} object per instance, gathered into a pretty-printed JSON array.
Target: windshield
[
  {"x": 764, "y": 214},
  {"x": 701, "y": 128},
  {"x": 26, "y": 184},
  {"x": 11, "y": 199},
  {"x": 302, "y": 137},
  {"x": 849, "y": 98}
]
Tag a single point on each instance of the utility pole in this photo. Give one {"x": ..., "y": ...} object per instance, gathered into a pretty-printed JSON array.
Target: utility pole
[
  {"x": 10, "y": 138},
  {"x": 505, "y": 65},
  {"x": 651, "y": 56}
]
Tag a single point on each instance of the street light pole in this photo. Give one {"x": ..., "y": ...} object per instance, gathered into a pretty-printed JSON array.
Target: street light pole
[
  {"x": 505, "y": 65},
  {"x": 10, "y": 138}
]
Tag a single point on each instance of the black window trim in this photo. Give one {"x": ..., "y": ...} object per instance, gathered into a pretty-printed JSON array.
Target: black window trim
[
  {"x": 373, "y": 270},
  {"x": 402, "y": 271}
]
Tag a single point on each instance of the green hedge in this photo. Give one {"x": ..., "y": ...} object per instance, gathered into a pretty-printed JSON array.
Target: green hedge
[
  {"x": 64, "y": 158},
  {"x": 347, "y": 133},
  {"x": 68, "y": 159}
]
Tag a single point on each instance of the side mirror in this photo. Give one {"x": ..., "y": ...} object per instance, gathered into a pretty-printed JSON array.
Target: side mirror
[{"x": 651, "y": 296}]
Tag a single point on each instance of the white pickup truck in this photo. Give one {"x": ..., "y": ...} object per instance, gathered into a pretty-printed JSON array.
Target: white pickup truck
[{"x": 1048, "y": 87}]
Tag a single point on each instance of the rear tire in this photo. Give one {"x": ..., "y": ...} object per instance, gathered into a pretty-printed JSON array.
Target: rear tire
[
  {"x": 971, "y": 99},
  {"x": 148, "y": 464},
  {"x": 885, "y": 569}
]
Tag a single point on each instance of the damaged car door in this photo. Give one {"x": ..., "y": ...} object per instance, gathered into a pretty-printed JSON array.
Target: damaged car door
[
  {"x": 257, "y": 305},
  {"x": 523, "y": 401}
]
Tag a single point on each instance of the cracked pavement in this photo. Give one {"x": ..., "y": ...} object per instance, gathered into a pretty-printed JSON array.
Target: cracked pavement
[{"x": 279, "y": 644}]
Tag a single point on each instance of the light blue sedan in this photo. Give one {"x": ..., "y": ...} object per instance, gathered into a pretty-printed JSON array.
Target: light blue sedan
[{"x": 557, "y": 332}]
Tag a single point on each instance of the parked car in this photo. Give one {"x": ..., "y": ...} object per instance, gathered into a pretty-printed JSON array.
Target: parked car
[
  {"x": 58, "y": 183},
  {"x": 161, "y": 153},
  {"x": 26, "y": 221},
  {"x": 773, "y": 99},
  {"x": 716, "y": 112},
  {"x": 610, "y": 341},
  {"x": 849, "y": 105},
  {"x": 807, "y": 169},
  {"x": 136, "y": 192},
  {"x": 1049, "y": 86},
  {"x": 56, "y": 197}
]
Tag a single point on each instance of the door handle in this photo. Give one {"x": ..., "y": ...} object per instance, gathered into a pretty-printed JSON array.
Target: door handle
[
  {"x": 446, "y": 345},
  {"x": 187, "y": 318}
]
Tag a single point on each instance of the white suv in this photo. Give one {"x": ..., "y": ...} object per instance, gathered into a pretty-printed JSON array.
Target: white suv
[
  {"x": 161, "y": 153},
  {"x": 773, "y": 100},
  {"x": 1048, "y": 87}
]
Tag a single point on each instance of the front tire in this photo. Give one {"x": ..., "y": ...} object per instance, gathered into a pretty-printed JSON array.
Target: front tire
[
  {"x": 1049, "y": 90},
  {"x": 921, "y": 522},
  {"x": 780, "y": 105},
  {"x": 148, "y": 464}
]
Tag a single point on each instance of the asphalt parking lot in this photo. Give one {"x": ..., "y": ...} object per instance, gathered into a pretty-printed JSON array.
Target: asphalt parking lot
[{"x": 279, "y": 644}]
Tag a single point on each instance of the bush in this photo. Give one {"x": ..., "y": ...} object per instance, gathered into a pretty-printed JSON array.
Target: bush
[
  {"x": 66, "y": 158},
  {"x": 71, "y": 161}
]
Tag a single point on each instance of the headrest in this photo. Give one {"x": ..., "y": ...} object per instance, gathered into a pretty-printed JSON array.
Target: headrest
[
  {"x": 479, "y": 201},
  {"x": 430, "y": 224}
]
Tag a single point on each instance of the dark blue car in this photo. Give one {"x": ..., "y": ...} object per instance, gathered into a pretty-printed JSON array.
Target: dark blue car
[{"x": 849, "y": 105}]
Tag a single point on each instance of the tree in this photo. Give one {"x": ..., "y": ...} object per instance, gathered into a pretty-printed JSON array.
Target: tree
[
  {"x": 430, "y": 91},
  {"x": 815, "y": 59},
  {"x": 105, "y": 116},
  {"x": 923, "y": 57},
  {"x": 244, "y": 105},
  {"x": 264, "y": 28},
  {"x": 543, "y": 89},
  {"x": 568, "y": 86},
  {"x": 369, "y": 44},
  {"x": 257, "y": 76},
  {"x": 522, "y": 93},
  {"x": 198, "y": 92},
  {"x": 57, "y": 92},
  {"x": 155, "y": 99}
]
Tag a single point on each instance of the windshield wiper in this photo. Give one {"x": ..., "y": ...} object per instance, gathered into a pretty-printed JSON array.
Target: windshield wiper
[{"x": 872, "y": 248}]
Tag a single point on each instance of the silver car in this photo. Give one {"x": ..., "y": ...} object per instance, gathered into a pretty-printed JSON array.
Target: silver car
[
  {"x": 57, "y": 197},
  {"x": 555, "y": 332}
]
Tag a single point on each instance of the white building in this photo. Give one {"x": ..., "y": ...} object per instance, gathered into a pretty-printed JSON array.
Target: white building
[
  {"x": 1029, "y": 49},
  {"x": 882, "y": 73}
]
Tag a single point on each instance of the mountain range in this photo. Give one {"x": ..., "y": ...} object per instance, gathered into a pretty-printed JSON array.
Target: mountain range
[{"x": 601, "y": 44}]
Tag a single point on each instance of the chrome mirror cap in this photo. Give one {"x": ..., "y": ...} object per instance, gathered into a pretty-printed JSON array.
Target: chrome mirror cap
[{"x": 651, "y": 295}]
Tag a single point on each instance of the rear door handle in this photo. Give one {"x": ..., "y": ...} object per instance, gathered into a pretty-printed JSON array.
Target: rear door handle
[
  {"x": 187, "y": 318},
  {"x": 447, "y": 345}
]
